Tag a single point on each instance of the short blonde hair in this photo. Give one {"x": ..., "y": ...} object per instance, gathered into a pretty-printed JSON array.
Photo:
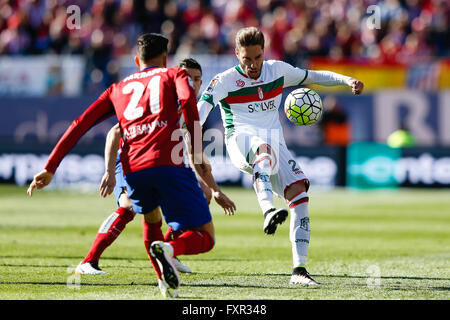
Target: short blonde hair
[{"x": 250, "y": 36}]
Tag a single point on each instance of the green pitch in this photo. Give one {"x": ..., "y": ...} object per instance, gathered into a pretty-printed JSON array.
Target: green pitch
[{"x": 364, "y": 245}]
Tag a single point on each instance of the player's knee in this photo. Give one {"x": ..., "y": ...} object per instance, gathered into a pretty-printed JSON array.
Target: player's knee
[
  {"x": 264, "y": 163},
  {"x": 208, "y": 228},
  {"x": 295, "y": 189},
  {"x": 153, "y": 216},
  {"x": 125, "y": 202}
]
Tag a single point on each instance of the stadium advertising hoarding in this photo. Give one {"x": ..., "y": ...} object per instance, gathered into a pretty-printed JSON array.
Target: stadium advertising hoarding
[
  {"x": 366, "y": 166},
  {"x": 86, "y": 170},
  {"x": 374, "y": 165},
  {"x": 85, "y": 166}
]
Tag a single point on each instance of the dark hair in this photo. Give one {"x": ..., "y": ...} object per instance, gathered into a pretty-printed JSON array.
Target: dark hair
[
  {"x": 190, "y": 63},
  {"x": 250, "y": 36},
  {"x": 151, "y": 45}
]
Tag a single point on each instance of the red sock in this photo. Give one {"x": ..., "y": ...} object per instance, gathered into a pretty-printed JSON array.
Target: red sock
[
  {"x": 171, "y": 235},
  {"x": 192, "y": 242},
  {"x": 152, "y": 232},
  {"x": 108, "y": 232}
]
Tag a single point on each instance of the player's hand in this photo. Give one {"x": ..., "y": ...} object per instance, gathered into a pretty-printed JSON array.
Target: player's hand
[
  {"x": 40, "y": 180},
  {"x": 108, "y": 183},
  {"x": 357, "y": 86},
  {"x": 222, "y": 200}
]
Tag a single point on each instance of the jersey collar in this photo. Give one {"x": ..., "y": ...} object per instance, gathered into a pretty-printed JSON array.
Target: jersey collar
[
  {"x": 149, "y": 68},
  {"x": 238, "y": 68}
]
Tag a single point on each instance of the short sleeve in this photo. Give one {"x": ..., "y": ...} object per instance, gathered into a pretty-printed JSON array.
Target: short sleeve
[{"x": 293, "y": 76}]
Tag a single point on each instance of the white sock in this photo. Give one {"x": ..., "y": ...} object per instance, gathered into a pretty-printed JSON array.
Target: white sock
[
  {"x": 299, "y": 229},
  {"x": 262, "y": 169}
]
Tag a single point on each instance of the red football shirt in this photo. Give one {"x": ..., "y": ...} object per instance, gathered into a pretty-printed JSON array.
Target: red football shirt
[{"x": 147, "y": 105}]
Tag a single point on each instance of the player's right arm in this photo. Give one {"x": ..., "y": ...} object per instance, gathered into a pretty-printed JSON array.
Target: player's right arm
[
  {"x": 111, "y": 147},
  {"x": 100, "y": 110},
  {"x": 210, "y": 98}
]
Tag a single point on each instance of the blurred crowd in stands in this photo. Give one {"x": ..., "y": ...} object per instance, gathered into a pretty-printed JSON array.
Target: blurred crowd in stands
[{"x": 295, "y": 30}]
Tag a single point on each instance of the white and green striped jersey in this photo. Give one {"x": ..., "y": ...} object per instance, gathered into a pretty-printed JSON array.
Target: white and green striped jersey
[{"x": 249, "y": 105}]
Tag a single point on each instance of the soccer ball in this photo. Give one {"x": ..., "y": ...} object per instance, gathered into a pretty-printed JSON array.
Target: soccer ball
[{"x": 303, "y": 107}]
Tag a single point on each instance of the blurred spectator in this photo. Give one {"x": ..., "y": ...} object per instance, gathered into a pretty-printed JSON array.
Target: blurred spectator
[
  {"x": 334, "y": 124},
  {"x": 295, "y": 30}
]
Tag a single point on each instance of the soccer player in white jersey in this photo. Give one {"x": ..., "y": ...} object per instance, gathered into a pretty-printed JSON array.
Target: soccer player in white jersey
[{"x": 249, "y": 96}]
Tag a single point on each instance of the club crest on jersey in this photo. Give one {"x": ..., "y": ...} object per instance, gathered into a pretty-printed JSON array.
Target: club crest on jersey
[
  {"x": 260, "y": 93},
  {"x": 240, "y": 83}
]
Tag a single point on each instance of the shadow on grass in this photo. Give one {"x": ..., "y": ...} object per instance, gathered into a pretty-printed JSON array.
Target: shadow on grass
[
  {"x": 41, "y": 283},
  {"x": 381, "y": 277}
]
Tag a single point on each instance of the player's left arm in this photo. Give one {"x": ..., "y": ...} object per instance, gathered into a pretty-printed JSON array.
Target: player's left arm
[
  {"x": 111, "y": 147},
  {"x": 298, "y": 76},
  {"x": 329, "y": 78}
]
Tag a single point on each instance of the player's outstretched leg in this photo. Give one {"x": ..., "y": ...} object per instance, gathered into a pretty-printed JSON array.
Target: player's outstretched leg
[
  {"x": 262, "y": 169},
  {"x": 300, "y": 236},
  {"x": 107, "y": 233},
  {"x": 172, "y": 235}
]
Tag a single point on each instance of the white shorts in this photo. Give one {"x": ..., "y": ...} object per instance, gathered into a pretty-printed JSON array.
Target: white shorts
[{"x": 286, "y": 171}]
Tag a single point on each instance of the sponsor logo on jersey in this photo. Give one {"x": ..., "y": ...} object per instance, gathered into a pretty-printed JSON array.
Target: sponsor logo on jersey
[
  {"x": 262, "y": 106},
  {"x": 240, "y": 83},
  {"x": 260, "y": 93},
  {"x": 145, "y": 128},
  {"x": 256, "y": 82}
]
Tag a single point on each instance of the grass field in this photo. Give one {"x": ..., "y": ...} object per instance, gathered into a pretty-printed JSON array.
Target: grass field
[{"x": 364, "y": 245}]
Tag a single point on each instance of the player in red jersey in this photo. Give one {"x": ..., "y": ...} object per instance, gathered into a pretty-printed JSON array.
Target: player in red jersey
[
  {"x": 112, "y": 182},
  {"x": 147, "y": 105}
]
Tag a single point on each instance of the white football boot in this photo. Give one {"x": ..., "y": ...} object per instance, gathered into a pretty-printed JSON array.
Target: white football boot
[
  {"x": 301, "y": 276},
  {"x": 163, "y": 253},
  {"x": 181, "y": 267},
  {"x": 272, "y": 218},
  {"x": 166, "y": 291},
  {"x": 90, "y": 267}
]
